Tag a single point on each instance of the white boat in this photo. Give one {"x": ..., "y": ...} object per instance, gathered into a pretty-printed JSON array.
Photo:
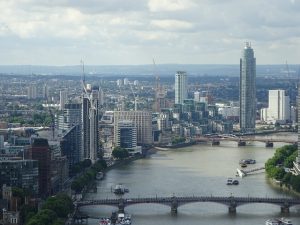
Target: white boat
[
  {"x": 120, "y": 189},
  {"x": 279, "y": 221},
  {"x": 272, "y": 222},
  {"x": 123, "y": 219},
  {"x": 285, "y": 221}
]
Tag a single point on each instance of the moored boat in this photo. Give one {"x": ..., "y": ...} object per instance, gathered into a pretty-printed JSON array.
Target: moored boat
[
  {"x": 120, "y": 189},
  {"x": 279, "y": 221}
]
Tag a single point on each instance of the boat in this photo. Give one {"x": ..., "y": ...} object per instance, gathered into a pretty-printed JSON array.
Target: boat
[
  {"x": 229, "y": 181},
  {"x": 120, "y": 189},
  {"x": 99, "y": 175},
  {"x": 285, "y": 221},
  {"x": 272, "y": 222},
  {"x": 235, "y": 182},
  {"x": 123, "y": 219},
  {"x": 279, "y": 221},
  {"x": 105, "y": 221},
  {"x": 247, "y": 161},
  {"x": 243, "y": 165}
]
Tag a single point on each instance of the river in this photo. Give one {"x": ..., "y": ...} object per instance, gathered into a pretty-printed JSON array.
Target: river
[{"x": 195, "y": 170}]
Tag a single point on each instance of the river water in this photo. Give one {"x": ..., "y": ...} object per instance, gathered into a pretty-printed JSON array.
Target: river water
[{"x": 196, "y": 170}]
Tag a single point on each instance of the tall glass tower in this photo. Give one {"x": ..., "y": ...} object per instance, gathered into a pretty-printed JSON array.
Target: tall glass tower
[
  {"x": 180, "y": 87},
  {"x": 247, "y": 90}
]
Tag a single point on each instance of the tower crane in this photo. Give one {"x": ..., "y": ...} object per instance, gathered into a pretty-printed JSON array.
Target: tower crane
[
  {"x": 134, "y": 96},
  {"x": 157, "y": 87}
]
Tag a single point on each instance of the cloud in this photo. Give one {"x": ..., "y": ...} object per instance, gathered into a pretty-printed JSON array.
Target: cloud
[
  {"x": 128, "y": 31},
  {"x": 169, "y": 5},
  {"x": 173, "y": 25}
]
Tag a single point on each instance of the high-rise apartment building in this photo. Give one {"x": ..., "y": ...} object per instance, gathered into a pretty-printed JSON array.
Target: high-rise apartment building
[
  {"x": 180, "y": 87},
  {"x": 69, "y": 124},
  {"x": 63, "y": 98},
  {"x": 142, "y": 121},
  {"x": 71, "y": 116},
  {"x": 90, "y": 124},
  {"x": 247, "y": 90},
  {"x": 32, "y": 92},
  {"x": 279, "y": 109}
]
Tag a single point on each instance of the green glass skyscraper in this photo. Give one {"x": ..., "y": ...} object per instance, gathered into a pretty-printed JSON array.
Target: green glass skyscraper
[{"x": 247, "y": 90}]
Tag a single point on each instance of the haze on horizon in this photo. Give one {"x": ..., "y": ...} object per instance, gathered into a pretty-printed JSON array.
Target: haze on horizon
[{"x": 132, "y": 32}]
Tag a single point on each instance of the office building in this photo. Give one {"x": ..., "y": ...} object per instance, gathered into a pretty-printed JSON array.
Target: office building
[
  {"x": 20, "y": 173},
  {"x": 126, "y": 134},
  {"x": 180, "y": 87},
  {"x": 142, "y": 121},
  {"x": 40, "y": 151},
  {"x": 247, "y": 90}
]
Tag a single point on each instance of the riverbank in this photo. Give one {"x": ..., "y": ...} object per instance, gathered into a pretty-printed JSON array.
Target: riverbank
[{"x": 281, "y": 187}]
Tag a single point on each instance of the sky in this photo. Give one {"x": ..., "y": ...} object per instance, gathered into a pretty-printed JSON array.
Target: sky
[{"x": 133, "y": 32}]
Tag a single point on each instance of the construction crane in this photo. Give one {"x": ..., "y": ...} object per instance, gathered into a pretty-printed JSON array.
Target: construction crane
[
  {"x": 135, "y": 98},
  {"x": 157, "y": 87},
  {"x": 52, "y": 119}
]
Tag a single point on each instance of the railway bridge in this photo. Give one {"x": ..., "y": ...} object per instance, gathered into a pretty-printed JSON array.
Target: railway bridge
[{"x": 174, "y": 202}]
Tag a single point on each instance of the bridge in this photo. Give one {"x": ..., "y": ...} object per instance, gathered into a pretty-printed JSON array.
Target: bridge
[
  {"x": 175, "y": 202},
  {"x": 215, "y": 140}
]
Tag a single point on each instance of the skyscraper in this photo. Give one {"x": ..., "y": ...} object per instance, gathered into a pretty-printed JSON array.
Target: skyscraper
[
  {"x": 90, "y": 120},
  {"x": 180, "y": 87},
  {"x": 247, "y": 90}
]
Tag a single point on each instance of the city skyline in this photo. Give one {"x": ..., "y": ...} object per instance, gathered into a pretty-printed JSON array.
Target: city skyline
[{"x": 132, "y": 33}]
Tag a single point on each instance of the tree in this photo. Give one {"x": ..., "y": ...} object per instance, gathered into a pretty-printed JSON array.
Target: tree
[{"x": 120, "y": 153}]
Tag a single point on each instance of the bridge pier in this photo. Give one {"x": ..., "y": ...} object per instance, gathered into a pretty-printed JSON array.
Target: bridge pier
[
  {"x": 121, "y": 206},
  {"x": 215, "y": 142},
  {"x": 232, "y": 208},
  {"x": 285, "y": 209},
  {"x": 241, "y": 143},
  {"x": 269, "y": 144},
  {"x": 174, "y": 206}
]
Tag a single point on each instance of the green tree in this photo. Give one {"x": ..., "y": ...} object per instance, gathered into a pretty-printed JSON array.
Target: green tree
[{"x": 120, "y": 153}]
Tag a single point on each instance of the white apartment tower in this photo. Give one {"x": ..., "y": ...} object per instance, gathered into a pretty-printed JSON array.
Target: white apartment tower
[
  {"x": 32, "y": 92},
  {"x": 279, "y": 106},
  {"x": 180, "y": 87},
  {"x": 63, "y": 98}
]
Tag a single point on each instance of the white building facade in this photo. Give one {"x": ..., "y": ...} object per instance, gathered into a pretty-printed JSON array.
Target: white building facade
[{"x": 180, "y": 87}]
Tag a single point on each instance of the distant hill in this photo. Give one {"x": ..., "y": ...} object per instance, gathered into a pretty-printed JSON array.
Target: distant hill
[{"x": 137, "y": 70}]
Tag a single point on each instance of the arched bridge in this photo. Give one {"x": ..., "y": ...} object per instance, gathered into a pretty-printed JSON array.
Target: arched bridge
[{"x": 175, "y": 202}]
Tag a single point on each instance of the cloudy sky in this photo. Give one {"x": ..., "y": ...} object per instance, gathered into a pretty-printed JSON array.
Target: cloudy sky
[{"x": 114, "y": 32}]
